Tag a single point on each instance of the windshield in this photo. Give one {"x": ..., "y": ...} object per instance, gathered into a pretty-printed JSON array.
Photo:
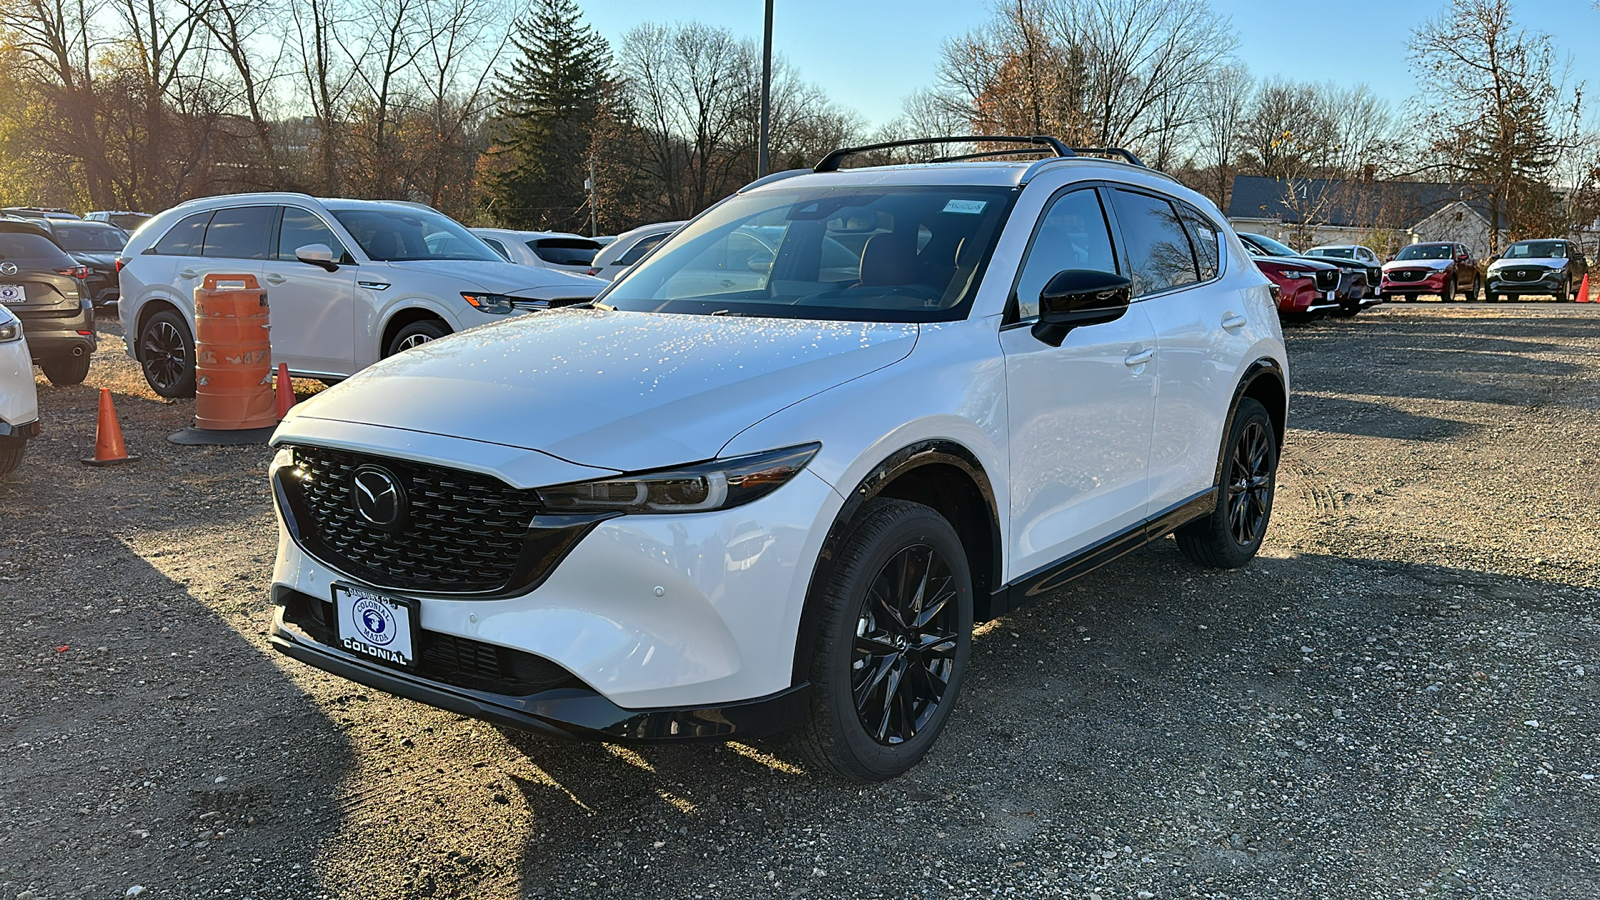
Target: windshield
[
  {"x": 1537, "y": 250},
  {"x": 90, "y": 238},
  {"x": 855, "y": 253},
  {"x": 1333, "y": 252},
  {"x": 399, "y": 235},
  {"x": 1272, "y": 247},
  {"x": 1426, "y": 251}
]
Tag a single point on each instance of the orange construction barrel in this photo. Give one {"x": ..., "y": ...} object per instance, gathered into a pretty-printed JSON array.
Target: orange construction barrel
[{"x": 233, "y": 355}]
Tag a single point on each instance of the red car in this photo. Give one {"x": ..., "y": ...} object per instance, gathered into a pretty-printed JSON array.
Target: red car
[
  {"x": 1306, "y": 290},
  {"x": 1442, "y": 268}
]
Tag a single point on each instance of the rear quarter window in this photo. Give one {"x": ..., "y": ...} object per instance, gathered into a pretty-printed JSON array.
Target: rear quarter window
[{"x": 185, "y": 238}]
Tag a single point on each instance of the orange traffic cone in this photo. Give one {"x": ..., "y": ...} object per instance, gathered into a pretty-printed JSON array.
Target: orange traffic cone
[
  {"x": 108, "y": 447},
  {"x": 1583, "y": 289},
  {"x": 285, "y": 391}
]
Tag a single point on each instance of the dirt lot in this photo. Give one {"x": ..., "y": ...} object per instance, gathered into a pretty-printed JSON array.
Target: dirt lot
[{"x": 1398, "y": 699}]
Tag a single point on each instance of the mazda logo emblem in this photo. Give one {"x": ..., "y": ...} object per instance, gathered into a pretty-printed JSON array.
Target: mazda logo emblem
[
  {"x": 8, "y": 268},
  {"x": 379, "y": 498}
]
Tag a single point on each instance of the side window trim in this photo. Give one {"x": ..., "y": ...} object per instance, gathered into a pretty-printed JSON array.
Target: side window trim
[{"x": 1013, "y": 309}]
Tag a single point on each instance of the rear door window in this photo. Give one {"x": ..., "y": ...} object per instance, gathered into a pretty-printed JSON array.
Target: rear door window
[
  {"x": 186, "y": 238},
  {"x": 1158, "y": 248},
  {"x": 243, "y": 232},
  {"x": 637, "y": 251},
  {"x": 1206, "y": 239}
]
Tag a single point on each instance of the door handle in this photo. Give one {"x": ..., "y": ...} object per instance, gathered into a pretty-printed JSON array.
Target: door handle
[
  {"x": 1139, "y": 359},
  {"x": 1234, "y": 321},
  {"x": 275, "y": 278},
  {"x": 188, "y": 273}
]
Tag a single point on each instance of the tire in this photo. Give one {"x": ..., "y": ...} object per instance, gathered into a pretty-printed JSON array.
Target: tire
[
  {"x": 1449, "y": 295},
  {"x": 1567, "y": 294},
  {"x": 10, "y": 458},
  {"x": 415, "y": 334},
  {"x": 166, "y": 353},
  {"x": 66, "y": 370},
  {"x": 1472, "y": 294},
  {"x": 1230, "y": 536},
  {"x": 862, "y": 651}
]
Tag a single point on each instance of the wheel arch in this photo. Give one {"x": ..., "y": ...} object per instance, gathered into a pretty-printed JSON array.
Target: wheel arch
[
  {"x": 1264, "y": 382},
  {"x": 940, "y": 474},
  {"x": 147, "y": 309},
  {"x": 403, "y": 316}
]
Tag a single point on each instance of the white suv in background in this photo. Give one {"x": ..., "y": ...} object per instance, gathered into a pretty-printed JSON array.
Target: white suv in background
[
  {"x": 348, "y": 281},
  {"x": 19, "y": 399},
  {"x": 706, "y": 506},
  {"x": 630, "y": 247},
  {"x": 548, "y": 249}
]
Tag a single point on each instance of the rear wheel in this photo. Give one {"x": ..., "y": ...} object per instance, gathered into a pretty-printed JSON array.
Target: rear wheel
[
  {"x": 66, "y": 370},
  {"x": 1231, "y": 535},
  {"x": 894, "y": 633},
  {"x": 166, "y": 351}
]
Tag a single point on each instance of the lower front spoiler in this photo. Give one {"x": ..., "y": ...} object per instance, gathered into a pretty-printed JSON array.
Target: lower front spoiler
[{"x": 565, "y": 712}]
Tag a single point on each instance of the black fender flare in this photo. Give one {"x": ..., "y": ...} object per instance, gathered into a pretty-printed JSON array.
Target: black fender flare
[
  {"x": 1266, "y": 367},
  {"x": 897, "y": 464}
]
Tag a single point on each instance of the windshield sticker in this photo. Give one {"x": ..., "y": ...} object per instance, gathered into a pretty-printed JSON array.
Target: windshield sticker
[{"x": 969, "y": 207}]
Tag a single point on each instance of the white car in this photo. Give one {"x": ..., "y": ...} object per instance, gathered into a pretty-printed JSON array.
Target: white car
[
  {"x": 630, "y": 247},
  {"x": 696, "y": 511},
  {"x": 546, "y": 249},
  {"x": 19, "y": 400},
  {"x": 349, "y": 281}
]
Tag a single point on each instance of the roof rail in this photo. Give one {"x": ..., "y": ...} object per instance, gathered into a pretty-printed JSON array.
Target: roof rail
[
  {"x": 1046, "y": 144},
  {"x": 1127, "y": 156}
]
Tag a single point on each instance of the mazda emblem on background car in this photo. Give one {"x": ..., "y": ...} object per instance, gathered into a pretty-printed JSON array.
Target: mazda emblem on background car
[
  {"x": 8, "y": 268},
  {"x": 378, "y": 496}
]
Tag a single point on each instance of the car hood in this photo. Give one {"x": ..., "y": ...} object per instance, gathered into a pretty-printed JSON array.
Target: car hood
[
  {"x": 1299, "y": 262},
  {"x": 1438, "y": 264},
  {"x": 1553, "y": 262},
  {"x": 618, "y": 390},
  {"x": 508, "y": 278},
  {"x": 1337, "y": 261}
]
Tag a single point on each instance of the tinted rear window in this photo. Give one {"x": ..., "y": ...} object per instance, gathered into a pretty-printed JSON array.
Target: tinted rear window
[
  {"x": 185, "y": 238},
  {"x": 564, "y": 251},
  {"x": 1158, "y": 249},
  {"x": 16, "y": 245},
  {"x": 91, "y": 238},
  {"x": 637, "y": 251},
  {"x": 240, "y": 233}
]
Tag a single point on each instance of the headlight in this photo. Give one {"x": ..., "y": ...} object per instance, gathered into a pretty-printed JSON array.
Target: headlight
[
  {"x": 1296, "y": 273},
  {"x": 10, "y": 331},
  {"x": 489, "y": 303},
  {"x": 718, "y": 484}
]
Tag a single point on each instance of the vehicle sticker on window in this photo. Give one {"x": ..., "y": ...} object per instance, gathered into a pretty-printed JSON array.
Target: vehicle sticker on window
[{"x": 969, "y": 207}]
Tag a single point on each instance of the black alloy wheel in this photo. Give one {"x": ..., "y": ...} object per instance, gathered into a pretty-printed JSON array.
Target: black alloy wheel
[
  {"x": 891, "y": 634},
  {"x": 1249, "y": 490},
  {"x": 1232, "y": 533},
  {"x": 905, "y": 645},
  {"x": 166, "y": 352}
]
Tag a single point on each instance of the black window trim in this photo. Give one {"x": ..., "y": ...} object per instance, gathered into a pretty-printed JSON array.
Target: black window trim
[{"x": 1012, "y": 316}]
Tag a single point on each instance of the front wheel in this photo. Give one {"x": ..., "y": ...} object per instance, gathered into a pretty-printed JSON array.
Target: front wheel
[
  {"x": 894, "y": 633},
  {"x": 166, "y": 352},
  {"x": 66, "y": 370},
  {"x": 415, "y": 335},
  {"x": 1230, "y": 536},
  {"x": 1449, "y": 295},
  {"x": 1472, "y": 292}
]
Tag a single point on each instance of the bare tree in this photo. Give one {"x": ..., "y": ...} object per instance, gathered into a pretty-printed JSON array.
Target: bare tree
[{"x": 1222, "y": 114}]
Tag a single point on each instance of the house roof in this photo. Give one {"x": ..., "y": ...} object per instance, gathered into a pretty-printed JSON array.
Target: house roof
[{"x": 1345, "y": 202}]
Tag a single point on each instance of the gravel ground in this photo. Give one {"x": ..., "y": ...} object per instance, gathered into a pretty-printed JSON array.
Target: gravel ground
[{"x": 1397, "y": 699}]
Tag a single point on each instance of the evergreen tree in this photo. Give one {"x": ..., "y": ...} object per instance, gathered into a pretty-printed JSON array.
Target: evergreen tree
[{"x": 546, "y": 110}]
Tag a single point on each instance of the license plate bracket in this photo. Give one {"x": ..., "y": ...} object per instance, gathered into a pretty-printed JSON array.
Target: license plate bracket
[
  {"x": 13, "y": 293},
  {"x": 375, "y": 625}
]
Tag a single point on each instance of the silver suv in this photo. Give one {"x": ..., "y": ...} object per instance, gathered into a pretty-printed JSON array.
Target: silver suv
[{"x": 349, "y": 281}]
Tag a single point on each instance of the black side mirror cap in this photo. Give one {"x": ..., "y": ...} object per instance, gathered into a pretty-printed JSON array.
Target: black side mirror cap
[{"x": 1077, "y": 297}]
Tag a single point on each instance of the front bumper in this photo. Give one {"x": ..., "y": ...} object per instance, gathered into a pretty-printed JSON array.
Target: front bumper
[
  {"x": 568, "y": 712},
  {"x": 53, "y": 336},
  {"x": 693, "y": 611},
  {"x": 1433, "y": 284},
  {"x": 1552, "y": 284}
]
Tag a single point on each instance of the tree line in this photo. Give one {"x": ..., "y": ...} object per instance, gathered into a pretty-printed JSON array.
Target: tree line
[{"x": 526, "y": 117}]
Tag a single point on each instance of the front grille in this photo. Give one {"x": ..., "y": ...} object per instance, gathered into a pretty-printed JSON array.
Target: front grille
[
  {"x": 462, "y": 532},
  {"x": 555, "y": 303},
  {"x": 1409, "y": 274},
  {"x": 460, "y": 661},
  {"x": 1374, "y": 275},
  {"x": 1523, "y": 273},
  {"x": 1327, "y": 279}
]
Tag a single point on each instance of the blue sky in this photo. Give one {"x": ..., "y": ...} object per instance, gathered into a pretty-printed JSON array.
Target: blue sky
[{"x": 869, "y": 54}]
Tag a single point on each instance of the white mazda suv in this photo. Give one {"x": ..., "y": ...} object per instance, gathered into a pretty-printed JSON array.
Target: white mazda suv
[
  {"x": 348, "y": 281},
  {"x": 747, "y": 492}
]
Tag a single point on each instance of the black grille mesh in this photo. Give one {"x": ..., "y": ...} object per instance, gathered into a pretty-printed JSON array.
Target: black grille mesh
[
  {"x": 463, "y": 532},
  {"x": 1409, "y": 274},
  {"x": 1327, "y": 279}
]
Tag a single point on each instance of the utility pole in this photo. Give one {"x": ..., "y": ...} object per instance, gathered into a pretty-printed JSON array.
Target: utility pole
[
  {"x": 594, "y": 209},
  {"x": 766, "y": 93}
]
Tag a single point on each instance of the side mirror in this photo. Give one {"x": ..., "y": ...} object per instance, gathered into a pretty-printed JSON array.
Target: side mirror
[
  {"x": 760, "y": 262},
  {"x": 320, "y": 255},
  {"x": 1078, "y": 297},
  {"x": 1388, "y": 259}
]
